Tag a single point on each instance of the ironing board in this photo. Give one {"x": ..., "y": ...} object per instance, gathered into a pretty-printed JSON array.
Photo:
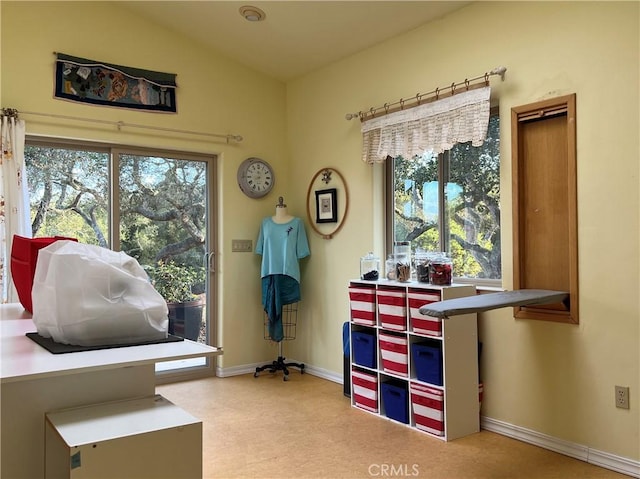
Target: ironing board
[{"x": 486, "y": 302}]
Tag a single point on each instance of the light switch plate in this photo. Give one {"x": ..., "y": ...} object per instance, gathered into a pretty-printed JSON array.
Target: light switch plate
[{"x": 241, "y": 246}]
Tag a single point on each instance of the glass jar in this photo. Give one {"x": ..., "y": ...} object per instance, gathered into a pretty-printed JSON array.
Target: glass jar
[
  {"x": 402, "y": 248},
  {"x": 422, "y": 262},
  {"x": 390, "y": 267},
  {"x": 403, "y": 268},
  {"x": 441, "y": 270},
  {"x": 370, "y": 267},
  {"x": 402, "y": 255}
]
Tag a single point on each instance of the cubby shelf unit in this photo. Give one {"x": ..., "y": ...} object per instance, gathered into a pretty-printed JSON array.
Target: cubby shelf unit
[{"x": 388, "y": 337}]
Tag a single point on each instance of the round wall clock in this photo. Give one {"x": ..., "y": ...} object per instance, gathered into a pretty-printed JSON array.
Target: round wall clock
[{"x": 255, "y": 177}]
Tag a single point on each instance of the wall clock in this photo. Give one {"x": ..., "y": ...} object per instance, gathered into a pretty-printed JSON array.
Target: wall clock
[{"x": 255, "y": 177}]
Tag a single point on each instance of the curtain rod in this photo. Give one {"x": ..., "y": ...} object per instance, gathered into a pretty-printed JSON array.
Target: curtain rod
[
  {"x": 401, "y": 104},
  {"x": 120, "y": 124}
]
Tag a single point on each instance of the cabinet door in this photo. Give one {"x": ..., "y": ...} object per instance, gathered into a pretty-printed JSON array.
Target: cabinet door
[{"x": 545, "y": 240}]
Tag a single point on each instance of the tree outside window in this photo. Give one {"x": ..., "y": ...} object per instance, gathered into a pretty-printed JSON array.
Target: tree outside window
[
  {"x": 451, "y": 202},
  {"x": 162, "y": 203}
]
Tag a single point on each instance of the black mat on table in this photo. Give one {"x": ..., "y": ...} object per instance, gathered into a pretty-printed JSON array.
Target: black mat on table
[{"x": 58, "y": 348}]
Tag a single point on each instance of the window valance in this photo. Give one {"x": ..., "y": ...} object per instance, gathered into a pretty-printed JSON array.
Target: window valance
[{"x": 436, "y": 126}]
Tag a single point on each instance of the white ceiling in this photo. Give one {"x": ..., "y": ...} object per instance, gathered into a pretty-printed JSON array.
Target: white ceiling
[{"x": 296, "y": 37}]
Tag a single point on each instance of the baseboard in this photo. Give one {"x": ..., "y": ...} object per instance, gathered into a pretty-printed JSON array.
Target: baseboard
[
  {"x": 578, "y": 451},
  {"x": 237, "y": 370},
  {"x": 324, "y": 374},
  {"x": 251, "y": 368}
]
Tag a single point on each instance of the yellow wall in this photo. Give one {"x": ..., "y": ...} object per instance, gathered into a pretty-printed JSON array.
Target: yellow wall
[
  {"x": 554, "y": 379},
  {"x": 215, "y": 94}
]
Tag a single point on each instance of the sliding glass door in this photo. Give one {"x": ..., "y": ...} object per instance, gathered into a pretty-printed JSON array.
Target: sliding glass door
[{"x": 156, "y": 206}]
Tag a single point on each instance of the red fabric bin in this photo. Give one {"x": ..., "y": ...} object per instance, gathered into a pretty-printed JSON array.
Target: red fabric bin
[
  {"x": 365, "y": 390},
  {"x": 392, "y": 308},
  {"x": 395, "y": 354},
  {"x": 362, "y": 302},
  {"x": 24, "y": 256},
  {"x": 428, "y": 408},
  {"x": 422, "y": 323}
]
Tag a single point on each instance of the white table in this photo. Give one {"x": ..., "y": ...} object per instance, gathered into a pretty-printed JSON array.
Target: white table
[{"x": 33, "y": 382}]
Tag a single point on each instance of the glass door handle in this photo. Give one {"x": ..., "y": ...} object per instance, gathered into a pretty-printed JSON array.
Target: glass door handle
[{"x": 208, "y": 262}]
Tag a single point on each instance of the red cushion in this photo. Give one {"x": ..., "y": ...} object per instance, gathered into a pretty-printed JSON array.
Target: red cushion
[{"x": 24, "y": 255}]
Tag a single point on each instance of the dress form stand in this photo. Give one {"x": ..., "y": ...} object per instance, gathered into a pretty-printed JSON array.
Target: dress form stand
[
  {"x": 289, "y": 322},
  {"x": 289, "y": 316}
]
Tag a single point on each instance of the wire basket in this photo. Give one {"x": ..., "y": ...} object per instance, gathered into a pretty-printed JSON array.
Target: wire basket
[{"x": 289, "y": 322}]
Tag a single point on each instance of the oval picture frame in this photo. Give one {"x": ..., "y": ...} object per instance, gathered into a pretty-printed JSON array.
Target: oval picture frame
[{"x": 327, "y": 202}]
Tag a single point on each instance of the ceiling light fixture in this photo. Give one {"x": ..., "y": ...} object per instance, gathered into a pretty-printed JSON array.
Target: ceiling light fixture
[{"x": 252, "y": 14}]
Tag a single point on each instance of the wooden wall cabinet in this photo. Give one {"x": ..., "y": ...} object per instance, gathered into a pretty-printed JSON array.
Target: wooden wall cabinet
[{"x": 545, "y": 218}]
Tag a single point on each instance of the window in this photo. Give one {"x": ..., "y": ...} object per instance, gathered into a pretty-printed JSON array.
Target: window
[
  {"x": 156, "y": 206},
  {"x": 450, "y": 202}
]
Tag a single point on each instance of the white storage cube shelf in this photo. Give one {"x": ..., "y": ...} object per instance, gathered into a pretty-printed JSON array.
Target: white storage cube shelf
[
  {"x": 447, "y": 410},
  {"x": 139, "y": 438}
]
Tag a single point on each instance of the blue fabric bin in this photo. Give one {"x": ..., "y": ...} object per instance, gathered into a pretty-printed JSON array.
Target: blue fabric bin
[
  {"x": 395, "y": 400},
  {"x": 363, "y": 348},
  {"x": 427, "y": 359}
]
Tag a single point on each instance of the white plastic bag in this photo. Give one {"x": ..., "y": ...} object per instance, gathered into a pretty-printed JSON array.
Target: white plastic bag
[{"x": 91, "y": 296}]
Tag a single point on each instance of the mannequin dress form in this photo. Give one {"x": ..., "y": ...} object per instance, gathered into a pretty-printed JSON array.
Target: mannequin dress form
[
  {"x": 281, "y": 309},
  {"x": 282, "y": 215}
]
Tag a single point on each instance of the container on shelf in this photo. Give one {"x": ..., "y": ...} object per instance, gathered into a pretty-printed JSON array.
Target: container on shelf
[
  {"x": 403, "y": 269},
  {"x": 365, "y": 390},
  {"x": 362, "y": 303},
  {"x": 428, "y": 408},
  {"x": 395, "y": 400},
  {"x": 402, "y": 256},
  {"x": 392, "y": 308},
  {"x": 390, "y": 267},
  {"x": 402, "y": 247},
  {"x": 395, "y": 355},
  {"x": 422, "y": 323},
  {"x": 422, "y": 262},
  {"x": 441, "y": 270},
  {"x": 427, "y": 359},
  {"x": 363, "y": 348},
  {"x": 370, "y": 267}
]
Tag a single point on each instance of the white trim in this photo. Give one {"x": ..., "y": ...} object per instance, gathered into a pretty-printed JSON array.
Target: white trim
[
  {"x": 615, "y": 463},
  {"x": 251, "y": 368},
  {"x": 324, "y": 374},
  {"x": 237, "y": 370},
  {"x": 592, "y": 456}
]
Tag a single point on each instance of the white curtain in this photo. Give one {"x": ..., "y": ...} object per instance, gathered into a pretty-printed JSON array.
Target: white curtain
[
  {"x": 14, "y": 198},
  {"x": 434, "y": 126}
]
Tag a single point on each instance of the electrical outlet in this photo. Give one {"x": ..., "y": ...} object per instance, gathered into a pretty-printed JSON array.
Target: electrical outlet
[{"x": 622, "y": 397}]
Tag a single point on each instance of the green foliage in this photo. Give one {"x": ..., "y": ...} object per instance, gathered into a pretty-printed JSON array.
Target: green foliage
[
  {"x": 162, "y": 201},
  {"x": 175, "y": 282},
  {"x": 469, "y": 178}
]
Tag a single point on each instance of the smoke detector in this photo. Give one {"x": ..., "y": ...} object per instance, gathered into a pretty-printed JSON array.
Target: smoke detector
[{"x": 252, "y": 14}]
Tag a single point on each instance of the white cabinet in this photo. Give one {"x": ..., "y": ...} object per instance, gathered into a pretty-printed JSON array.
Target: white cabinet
[
  {"x": 139, "y": 438},
  {"x": 414, "y": 369}
]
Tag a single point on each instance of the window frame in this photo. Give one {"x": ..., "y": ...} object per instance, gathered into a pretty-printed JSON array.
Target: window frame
[
  {"x": 114, "y": 150},
  {"x": 388, "y": 182}
]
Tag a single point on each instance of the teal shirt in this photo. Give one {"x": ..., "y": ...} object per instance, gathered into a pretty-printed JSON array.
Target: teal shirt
[{"x": 281, "y": 246}]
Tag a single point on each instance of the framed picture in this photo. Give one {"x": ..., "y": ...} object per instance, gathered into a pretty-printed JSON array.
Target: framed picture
[{"x": 326, "y": 206}]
